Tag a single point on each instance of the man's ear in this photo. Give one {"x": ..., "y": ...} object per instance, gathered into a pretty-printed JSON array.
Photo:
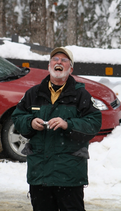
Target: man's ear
[{"x": 71, "y": 70}]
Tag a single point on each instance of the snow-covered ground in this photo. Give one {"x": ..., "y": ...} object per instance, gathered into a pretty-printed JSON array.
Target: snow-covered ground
[{"x": 105, "y": 157}]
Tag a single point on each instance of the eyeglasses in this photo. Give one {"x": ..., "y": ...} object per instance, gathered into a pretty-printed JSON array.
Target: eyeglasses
[{"x": 56, "y": 59}]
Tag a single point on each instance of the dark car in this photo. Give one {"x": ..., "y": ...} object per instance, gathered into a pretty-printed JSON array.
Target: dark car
[{"x": 14, "y": 82}]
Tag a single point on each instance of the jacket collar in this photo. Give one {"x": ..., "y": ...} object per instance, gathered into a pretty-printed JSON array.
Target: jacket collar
[{"x": 69, "y": 88}]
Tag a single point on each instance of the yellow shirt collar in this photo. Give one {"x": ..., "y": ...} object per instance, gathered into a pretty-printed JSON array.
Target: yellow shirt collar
[{"x": 55, "y": 95}]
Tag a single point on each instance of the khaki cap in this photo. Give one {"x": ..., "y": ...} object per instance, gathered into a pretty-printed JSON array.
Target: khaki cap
[{"x": 64, "y": 50}]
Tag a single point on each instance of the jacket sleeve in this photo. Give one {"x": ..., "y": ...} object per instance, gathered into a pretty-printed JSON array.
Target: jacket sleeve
[
  {"x": 88, "y": 121},
  {"x": 22, "y": 117}
]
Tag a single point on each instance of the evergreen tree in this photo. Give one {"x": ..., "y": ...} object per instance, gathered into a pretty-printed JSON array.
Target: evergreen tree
[
  {"x": 17, "y": 17},
  {"x": 114, "y": 30}
]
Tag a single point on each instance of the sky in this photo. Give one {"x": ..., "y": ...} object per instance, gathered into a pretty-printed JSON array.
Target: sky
[{"x": 104, "y": 165}]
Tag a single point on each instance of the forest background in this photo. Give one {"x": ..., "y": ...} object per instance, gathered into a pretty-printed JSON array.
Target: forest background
[{"x": 52, "y": 23}]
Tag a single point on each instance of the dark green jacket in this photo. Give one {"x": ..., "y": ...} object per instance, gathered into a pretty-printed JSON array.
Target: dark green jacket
[{"x": 59, "y": 158}]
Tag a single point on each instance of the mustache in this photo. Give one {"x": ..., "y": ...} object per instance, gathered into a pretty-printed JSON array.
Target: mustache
[{"x": 58, "y": 67}]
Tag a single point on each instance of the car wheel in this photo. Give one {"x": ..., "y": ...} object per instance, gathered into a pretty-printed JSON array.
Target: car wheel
[{"x": 12, "y": 141}]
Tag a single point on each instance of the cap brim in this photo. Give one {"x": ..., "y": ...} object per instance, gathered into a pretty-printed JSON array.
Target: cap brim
[
  {"x": 64, "y": 50},
  {"x": 58, "y": 50}
]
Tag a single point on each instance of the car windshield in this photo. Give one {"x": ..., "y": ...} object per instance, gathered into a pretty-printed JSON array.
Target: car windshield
[{"x": 8, "y": 69}]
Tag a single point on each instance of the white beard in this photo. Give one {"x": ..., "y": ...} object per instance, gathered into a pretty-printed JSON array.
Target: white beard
[{"x": 59, "y": 74}]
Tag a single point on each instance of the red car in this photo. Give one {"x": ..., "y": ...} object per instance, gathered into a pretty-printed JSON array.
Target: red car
[{"x": 15, "y": 81}]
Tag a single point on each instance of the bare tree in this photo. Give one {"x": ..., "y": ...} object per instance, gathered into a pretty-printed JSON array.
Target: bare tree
[
  {"x": 50, "y": 24},
  {"x": 80, "y": 23},
  {"x": 2, "y": 18},
  {"x": 38, "y": 21},
  {"x": 72, "y": 22}
]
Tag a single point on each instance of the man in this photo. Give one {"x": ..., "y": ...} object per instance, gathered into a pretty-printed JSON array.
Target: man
[{"x": 59, "y": 117}]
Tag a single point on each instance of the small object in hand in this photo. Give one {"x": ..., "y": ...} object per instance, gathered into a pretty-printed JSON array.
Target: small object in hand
[{"x": 46, "y": 125}]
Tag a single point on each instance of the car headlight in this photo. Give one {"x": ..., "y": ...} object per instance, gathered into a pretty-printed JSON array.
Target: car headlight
[{"x": 99, "y": 104}]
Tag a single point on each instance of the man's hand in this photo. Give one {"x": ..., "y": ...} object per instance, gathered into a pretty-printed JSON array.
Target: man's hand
[
  {"x": 57, "y": 122},
  {"x": 37, "y": 124}
]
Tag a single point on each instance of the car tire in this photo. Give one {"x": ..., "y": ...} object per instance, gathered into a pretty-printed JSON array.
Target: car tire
[{"x": 12, "y": 141}]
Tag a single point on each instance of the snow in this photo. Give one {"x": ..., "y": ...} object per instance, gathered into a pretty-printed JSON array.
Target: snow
[
  {"x": 105, "y": 157},
  {"x": 81, "y": 54},
  {"x": 96, "y": 55},
  {"x": 105, "y": 168},
  {"x": 19, "y": 51}
]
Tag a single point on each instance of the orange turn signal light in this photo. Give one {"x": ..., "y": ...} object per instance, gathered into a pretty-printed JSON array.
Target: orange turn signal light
[
  {"x": 109, "y": 71},
  {"x": 25, "y": 64}
]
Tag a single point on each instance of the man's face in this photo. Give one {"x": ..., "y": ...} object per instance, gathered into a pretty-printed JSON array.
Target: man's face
[{"x": 60, "y": 67}]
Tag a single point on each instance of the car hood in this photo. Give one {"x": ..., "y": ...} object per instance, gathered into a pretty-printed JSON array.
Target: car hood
[
  {"x": 97, "y": 90},
  {"x": 35, "y": 76}
]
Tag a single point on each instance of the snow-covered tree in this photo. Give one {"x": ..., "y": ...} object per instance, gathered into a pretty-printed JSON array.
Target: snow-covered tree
[
  {"x": 60, "y": 23},
  {"x": 52, "y": 23},
  {"x": 114, "y": 24},
  {"x": 38, "y": 21},
  {"x": 17, "y": 17},
  {"x": 72, "y": 22}
]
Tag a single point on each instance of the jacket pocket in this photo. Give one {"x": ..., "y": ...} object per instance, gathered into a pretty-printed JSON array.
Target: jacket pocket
[{"x": 27, "y": 150}]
